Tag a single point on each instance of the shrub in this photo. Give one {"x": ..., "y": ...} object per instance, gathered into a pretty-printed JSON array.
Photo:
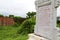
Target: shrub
[
  {"x": 58, "y": 25},
  {"x": 58, "y": 21},
  {"x": 27, "y": 26}
]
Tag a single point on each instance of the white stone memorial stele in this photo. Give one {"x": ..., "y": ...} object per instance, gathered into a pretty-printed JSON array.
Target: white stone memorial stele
[{"x": 45, "y": 20}]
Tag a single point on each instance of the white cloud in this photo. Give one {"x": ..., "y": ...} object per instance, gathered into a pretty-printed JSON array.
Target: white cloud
[{"x": 18, "y": 7}]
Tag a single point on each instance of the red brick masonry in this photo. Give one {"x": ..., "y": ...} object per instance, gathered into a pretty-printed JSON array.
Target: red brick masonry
[{"x": 6, "y": 21}]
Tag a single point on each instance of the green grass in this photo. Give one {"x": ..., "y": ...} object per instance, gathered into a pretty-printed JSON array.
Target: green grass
[
  {"x": 58, "y": 25},
  {"x": 10, "y": 33}
]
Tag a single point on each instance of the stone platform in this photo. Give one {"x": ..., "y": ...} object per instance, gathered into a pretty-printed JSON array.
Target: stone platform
[
  {"x": 58, "y": 33},
  {"x": 35, "y": 37}
]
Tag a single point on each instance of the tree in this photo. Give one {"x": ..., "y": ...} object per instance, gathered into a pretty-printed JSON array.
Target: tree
[
  {"x": 30, "y": 14},
  {"x": 33, "y": 13},
  {"x": 1, "y": 15},
  {"x": 11, "y": 16}
]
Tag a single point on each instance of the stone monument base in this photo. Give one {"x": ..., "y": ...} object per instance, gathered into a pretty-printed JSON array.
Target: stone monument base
[{"x": 35, "y": 37}]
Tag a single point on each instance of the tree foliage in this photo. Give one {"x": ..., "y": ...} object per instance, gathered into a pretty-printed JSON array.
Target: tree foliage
[
  {"x": 11, "y": 16},
  {"x": 1, "y": 15},
  {"x": 27, "y": 26},
  {"x": 30, "y": 14}
]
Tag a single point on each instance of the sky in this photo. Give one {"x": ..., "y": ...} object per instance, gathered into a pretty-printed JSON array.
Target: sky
[{"x": 18, "y": 7}]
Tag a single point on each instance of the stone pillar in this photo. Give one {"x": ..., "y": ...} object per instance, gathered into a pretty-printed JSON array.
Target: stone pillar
[{"x": 45, "y": 27}]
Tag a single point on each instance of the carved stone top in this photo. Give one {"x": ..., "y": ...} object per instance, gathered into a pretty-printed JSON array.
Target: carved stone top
[
  {"x": 40, "y": 3},
  {"x": 57, "y": 3}
]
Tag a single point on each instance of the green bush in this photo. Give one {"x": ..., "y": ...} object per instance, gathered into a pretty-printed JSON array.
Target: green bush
[
  {"x": 58, "y": 25},
  {"x": 27, "y": 26},
  {"x": 58, "y": 21}
]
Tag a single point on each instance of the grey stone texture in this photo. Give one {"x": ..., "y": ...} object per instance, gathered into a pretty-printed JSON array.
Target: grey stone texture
[{"x": 46, "y": 20}]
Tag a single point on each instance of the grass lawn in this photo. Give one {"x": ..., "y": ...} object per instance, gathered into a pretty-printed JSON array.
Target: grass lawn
[{"x": 10, "y": 33}]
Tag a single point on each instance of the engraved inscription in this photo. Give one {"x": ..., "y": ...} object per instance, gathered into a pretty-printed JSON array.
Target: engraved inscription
[{"x": 45, "y": 12}]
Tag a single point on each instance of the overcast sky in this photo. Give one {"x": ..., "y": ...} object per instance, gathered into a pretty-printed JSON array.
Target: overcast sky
[{"x": 18, "y": 7}]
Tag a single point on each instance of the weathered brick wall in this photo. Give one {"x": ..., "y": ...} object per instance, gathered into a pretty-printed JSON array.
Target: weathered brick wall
[{"x": 6, "y": 21}]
